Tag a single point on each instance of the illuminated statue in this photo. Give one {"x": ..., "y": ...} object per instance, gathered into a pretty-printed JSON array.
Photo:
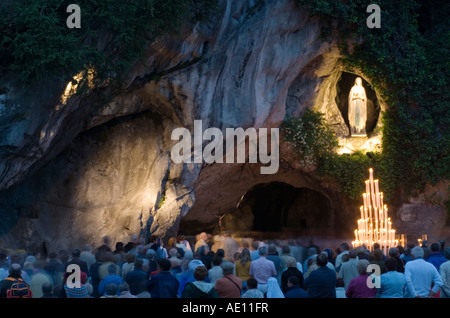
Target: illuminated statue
[{"x": 357, "y": 110}]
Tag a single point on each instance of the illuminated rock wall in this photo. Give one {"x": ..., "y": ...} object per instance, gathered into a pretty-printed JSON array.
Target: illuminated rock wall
[
  {"x": 99, "y": 164},
  {"x": 234, "y": 72}
]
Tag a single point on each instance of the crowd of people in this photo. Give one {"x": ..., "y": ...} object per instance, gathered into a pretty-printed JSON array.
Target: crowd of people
[{"x": 227, "y": 267}]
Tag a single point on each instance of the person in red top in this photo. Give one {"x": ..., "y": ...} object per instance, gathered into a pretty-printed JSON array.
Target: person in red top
[{"x": 229, "y": 286}]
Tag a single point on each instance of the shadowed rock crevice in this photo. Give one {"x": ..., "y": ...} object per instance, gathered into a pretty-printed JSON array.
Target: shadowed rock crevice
[
  {"x": 280, "y": 207},
  {"x": 289, "y": 202}
]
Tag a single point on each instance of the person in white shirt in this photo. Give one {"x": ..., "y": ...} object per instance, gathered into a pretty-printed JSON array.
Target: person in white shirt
[
  {"x": 202, "y": 237},
  {"x": 444, "y": 270},
  {"x": 422, "y": 278},
  {"x": 262, "y": 269},
  {"x": 345, "y": 249}
]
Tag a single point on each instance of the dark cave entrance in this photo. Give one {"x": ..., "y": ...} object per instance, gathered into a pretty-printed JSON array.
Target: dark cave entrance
[
  {"x": 280, "y": 207},
  {"x": 344, "y": 85}
]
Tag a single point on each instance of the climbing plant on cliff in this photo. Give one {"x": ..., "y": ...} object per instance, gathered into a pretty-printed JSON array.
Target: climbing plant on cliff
[
  {"x": 310, "y": 136},
  {"x": 36, "y": 42},
  {"x": 408, "y": 62},
  {"x": 315, "y": 144}
]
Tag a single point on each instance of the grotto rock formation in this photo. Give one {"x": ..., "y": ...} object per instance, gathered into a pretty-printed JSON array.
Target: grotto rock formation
[{"x": 92, "y": 166}]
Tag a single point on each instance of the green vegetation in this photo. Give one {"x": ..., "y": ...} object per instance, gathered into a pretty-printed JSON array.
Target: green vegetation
[
  {"x": 350, "y": 171},
  {"x": 36, "y": 43},
  {"x": 408, "y": 62},
  {"x": 316, "y": 144},
  {"x": 162, "y": 201},
  {"x": 311, "y": 137}
]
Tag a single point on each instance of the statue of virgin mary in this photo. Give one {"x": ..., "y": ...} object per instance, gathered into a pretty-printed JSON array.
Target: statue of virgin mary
[{"x": 357, "y": 109}]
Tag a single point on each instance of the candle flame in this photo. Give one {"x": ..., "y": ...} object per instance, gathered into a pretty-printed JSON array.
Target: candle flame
[{"x": 374, "y": 228}]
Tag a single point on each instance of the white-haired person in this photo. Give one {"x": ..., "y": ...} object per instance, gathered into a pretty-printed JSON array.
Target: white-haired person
[
  {"x": 444, "y": 270},
  {"x": 422, "y": 278}
]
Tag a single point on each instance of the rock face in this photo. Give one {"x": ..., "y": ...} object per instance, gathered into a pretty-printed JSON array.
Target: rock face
[
  {"x": 76, "y": 171},
  {"x": 104, "y": 181},
  {"x": 239, "y": 193},
  {"x": 426, "y": 214}
]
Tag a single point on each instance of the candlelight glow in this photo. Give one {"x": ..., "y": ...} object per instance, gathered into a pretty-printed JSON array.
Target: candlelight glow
[
  {"x": 374, "y": 226},
  {"x": 364, "y": 144},
  {"x": 72, "y": 86}
]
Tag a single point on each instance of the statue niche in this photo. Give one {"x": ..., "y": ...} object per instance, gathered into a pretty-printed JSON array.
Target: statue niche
[{"x": 357, "y": 109}]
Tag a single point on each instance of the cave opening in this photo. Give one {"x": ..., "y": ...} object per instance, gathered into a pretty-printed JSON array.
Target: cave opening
[
  {"x": 281, "y": 207},
  {"x": 344, "y": 85}
]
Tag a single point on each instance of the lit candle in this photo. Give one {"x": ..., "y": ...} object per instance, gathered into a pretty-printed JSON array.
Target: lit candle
[
  {"x": 375, "y": 229},
  {"x": 375, "y": 226},
  {"x": 359, "y": 230},
  {"x": 372, "y": 193},
  {"x": 376, "y": 234},
  {"x": 367, "y": 193},
  {"x": 366, "y": 232},
  {"x": 377, "y": 194},
  {"x": 381, "y": 220},
  {"x": 386, "y": 224}
]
